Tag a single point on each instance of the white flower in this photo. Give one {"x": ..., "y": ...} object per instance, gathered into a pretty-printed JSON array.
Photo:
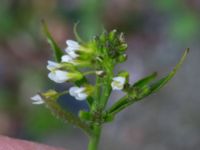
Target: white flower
[
  {"x": 72, "y": 54},
  {"x": 118, "y": 83},
  {"x": 52, "y": 65},
  {"x": 37, "y": 99},
  {"x": 67, "y": 58},
  {"x": 59, "y": 76},
  {"x": 72, "y": 46},
  {"x": 78, "y": 92}
]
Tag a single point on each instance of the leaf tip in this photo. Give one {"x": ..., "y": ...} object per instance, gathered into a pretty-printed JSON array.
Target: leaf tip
[{"x": 187, "y": 50}]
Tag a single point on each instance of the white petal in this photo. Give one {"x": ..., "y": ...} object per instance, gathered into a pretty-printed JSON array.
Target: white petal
[
  {"x": 72, "y": 44},
  {"x": 52, "y": 76},
  {"x": 116, "y": 86},
  {"x": 78, "y": 92},
  {"x": 58, "y": 76},
  {"x": 99, "y": 72},
  {"x": 81, "y": 96},
  {"x": 119, "y": 79},
  {"x": 38, "y": 102},
  {"x": 71, "y": 53},
  {"x": 73, "y": 90},
  {"x": 67, "y": 58},
  {"x": 80, "y": 89},
  {"x": 37, "y": 99},
  {"x": 62, "y": 76},
  {"x": 52, "y": 65}
]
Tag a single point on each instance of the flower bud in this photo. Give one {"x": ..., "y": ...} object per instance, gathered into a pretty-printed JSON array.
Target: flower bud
[
  {"x": 122, "y": 58},
  {"x": 124, "y": 74},
  {"x": 37, "y": 99},
  {"x": 112, "y": 35},
  {"x": 50, "y": 94},
  {"x": 100, "y": 73},
  {"x": 123, "y": 47}
]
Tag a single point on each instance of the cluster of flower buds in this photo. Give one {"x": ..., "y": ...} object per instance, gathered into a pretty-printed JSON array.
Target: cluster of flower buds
[{"x": 67, "y": 70}]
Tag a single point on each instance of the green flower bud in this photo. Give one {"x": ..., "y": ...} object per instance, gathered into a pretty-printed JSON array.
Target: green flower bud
[
  {"x": 112, "y": 35},
  {"x": 124, "y": 74},
  {"x": 122, "y": 58}
]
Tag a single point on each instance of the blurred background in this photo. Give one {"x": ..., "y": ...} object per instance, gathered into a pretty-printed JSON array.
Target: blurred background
[{"x": 157, "y": 33}]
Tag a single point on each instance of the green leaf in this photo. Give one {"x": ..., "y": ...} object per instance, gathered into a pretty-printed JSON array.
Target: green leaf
[
  {"x": 162, "y": 82},
  {"x": 145, "y": 81},
  {"x": 57, "y": 51},
  {"x": 117, "y": 106}
]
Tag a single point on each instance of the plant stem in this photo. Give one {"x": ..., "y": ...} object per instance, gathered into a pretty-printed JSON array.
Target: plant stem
[{"x": 94, "y": 139}]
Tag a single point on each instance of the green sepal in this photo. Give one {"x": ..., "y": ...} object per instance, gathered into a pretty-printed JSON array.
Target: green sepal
[
  {"x": 112, "y": 35},
  {"x": 90, "y": 101},
  {"x": 123, "y": 47},
  {"x": 122, "y": 58},
  {"x": 124, "y": 74},
  {"x": 81, "y": 81},
  {"x": 108, "y": 118},
  {"x": 57, "y": 51},
  {"x": 84, "y": 115}
]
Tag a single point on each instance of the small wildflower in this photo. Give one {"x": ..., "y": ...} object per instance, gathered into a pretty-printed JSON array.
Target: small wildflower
[
  {"x": 78, "y": 92},
  {"x": 118, "y": 83},
  {"x": 60, "y": 76},
  {"x": 72, "y": 47},
  {"x": 37, "y": 99},
  {"x": 52, "y": 65},
  {"x": 67, "y": 59}
]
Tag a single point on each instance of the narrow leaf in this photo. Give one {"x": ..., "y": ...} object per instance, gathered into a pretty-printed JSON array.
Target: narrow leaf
[
  {"x": 145, "y": 81},
  {"x": 145, "y": 89},
  {"x": 57, "y": 51},
  {"x": 162, "y": 82}
]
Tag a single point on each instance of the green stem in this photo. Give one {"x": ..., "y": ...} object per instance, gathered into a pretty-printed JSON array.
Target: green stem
[
  {"x": 106, "y": 93},
  {"x": 94, "y": 139}
]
